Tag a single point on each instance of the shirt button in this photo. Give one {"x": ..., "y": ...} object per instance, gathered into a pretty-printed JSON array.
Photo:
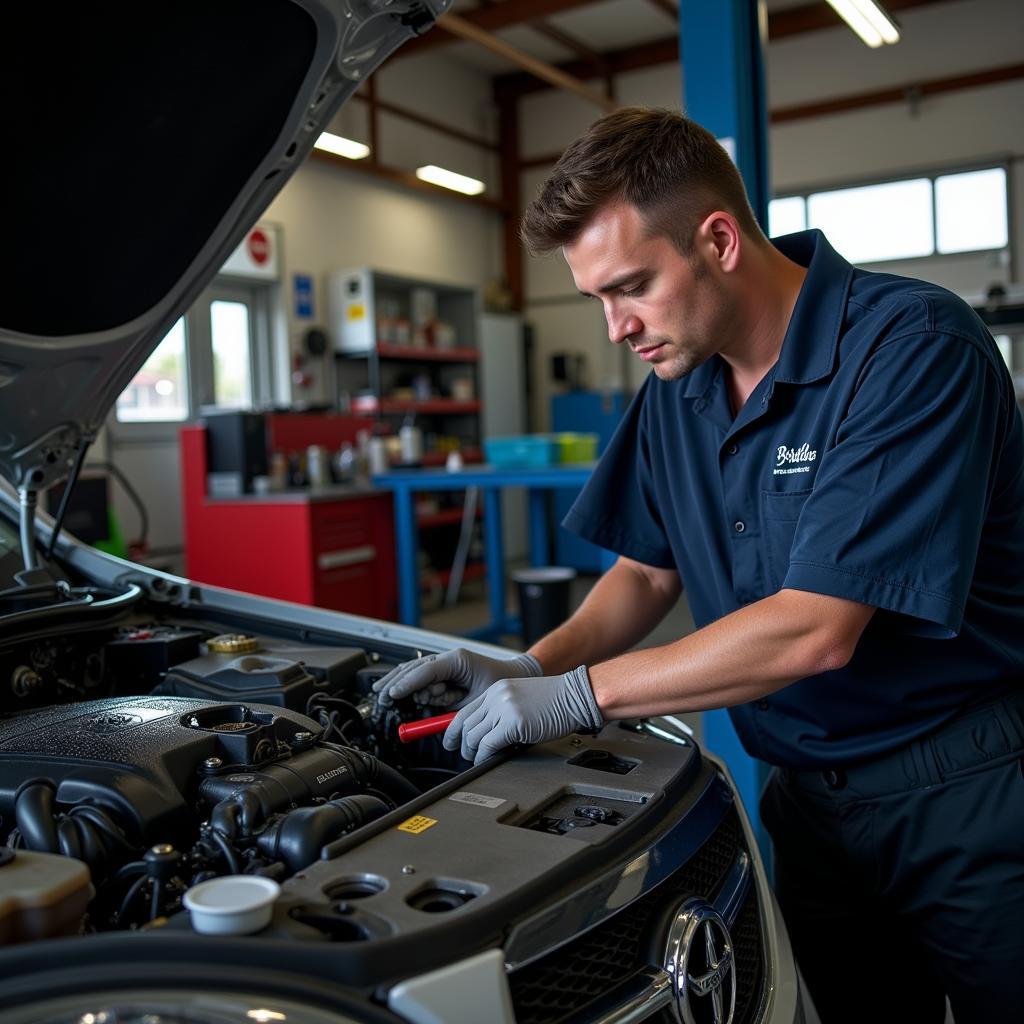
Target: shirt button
[
  {"x": 739, "y": 527},
  {"x": 762, "y": 705},
  {"x": 732, "y": 449}
]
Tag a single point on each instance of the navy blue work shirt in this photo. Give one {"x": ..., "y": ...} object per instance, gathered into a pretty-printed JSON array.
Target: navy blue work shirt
[{"x": 882, "y": 460}]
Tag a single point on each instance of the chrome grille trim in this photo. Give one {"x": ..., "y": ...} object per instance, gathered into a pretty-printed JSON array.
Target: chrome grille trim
[
  {"x": 650, "y": 989},
  {"x": 734, "y": 889},
  {"x": 637, "y": 999}
]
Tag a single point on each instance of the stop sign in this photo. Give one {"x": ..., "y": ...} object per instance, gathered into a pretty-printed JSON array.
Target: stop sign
[{"x": 259, "y": 246}]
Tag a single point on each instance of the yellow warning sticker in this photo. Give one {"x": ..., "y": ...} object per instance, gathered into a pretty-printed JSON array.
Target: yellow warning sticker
[
  {"x": 356, "y": 311},
  {"x": 417, "y": 824}
]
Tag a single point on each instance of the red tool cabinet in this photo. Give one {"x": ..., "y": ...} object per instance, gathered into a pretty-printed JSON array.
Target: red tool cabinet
[{"x": 332, "y": 547}]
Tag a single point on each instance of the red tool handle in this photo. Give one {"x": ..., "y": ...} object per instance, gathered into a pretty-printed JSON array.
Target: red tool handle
[{"x": 410, "y": 731}]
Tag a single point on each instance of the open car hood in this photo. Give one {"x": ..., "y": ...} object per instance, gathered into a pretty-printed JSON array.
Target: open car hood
[{"x": 141, "y": 144}]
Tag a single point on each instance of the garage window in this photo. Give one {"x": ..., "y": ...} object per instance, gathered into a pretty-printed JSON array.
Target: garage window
[
  {"x": 892, "y": 221},
  {"x": 217, "y": 354},
  {"x": 970, "y": 210},
  {"x": 911, "y": 218},
  {"x": 159, "y": 391},
  {"x": 232, "y": 354},
  {"x": 787, "y": 215}
]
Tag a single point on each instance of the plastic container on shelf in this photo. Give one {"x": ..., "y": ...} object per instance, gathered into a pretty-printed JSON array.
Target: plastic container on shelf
[
  {"x": 533, "y": 450},
  {"x": 525, "y": 451},
  {"x": 576, "y": 447}
]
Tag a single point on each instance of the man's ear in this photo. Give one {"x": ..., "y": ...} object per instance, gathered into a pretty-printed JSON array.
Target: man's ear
[{"x": 721, "y": 240}]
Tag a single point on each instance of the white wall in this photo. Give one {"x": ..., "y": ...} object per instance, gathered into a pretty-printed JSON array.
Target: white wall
[
  {"x": 946, "y": 130},
  {"x": 442, "y": 91},
  {"x": 333, "y": 218},
  {"x": 938, "y": 41}
]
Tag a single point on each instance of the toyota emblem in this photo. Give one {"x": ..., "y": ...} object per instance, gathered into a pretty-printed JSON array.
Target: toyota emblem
[{"x": 699, "y": 959}]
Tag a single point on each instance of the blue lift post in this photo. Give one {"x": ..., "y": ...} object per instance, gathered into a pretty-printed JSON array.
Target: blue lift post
[{"x": 721, "y": 46}]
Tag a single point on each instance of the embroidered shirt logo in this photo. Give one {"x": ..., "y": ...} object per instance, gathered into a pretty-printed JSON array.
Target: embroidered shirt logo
[{"x": 789, "y": 460}]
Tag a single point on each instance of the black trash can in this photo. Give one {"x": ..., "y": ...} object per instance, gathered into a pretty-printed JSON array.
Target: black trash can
[{"x": 543, "y": 599}]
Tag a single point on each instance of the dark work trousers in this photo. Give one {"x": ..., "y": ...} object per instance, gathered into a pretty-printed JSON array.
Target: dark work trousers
[{"x": 902, "y": 880}]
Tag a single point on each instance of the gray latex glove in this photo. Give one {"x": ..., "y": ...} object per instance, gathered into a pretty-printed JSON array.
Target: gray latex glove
[
  {"x": 453, "y": 679},
  {"x": 524, "y": 711}
]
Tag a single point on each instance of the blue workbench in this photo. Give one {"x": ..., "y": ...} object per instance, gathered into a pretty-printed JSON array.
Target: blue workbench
[{"x": 491, "y": 481}]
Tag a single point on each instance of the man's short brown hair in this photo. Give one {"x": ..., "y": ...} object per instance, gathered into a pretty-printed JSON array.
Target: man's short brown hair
[{"x": 667, "y": 166}]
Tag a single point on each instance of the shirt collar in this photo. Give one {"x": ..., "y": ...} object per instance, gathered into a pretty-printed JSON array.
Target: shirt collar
[
  {"x": 809, "y": 347},
  {"x": 702, "y": 380}
]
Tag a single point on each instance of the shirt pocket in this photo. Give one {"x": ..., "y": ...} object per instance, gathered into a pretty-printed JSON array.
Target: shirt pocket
[{"x": 780, "y": 512}]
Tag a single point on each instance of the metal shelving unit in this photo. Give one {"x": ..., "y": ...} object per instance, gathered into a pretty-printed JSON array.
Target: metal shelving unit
[{"x": 407, "y": 349}]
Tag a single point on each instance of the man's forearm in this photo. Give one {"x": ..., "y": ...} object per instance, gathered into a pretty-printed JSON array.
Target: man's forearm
[
  {"x": 620, "y": 610},
  {"x": 743, "y": 656}
]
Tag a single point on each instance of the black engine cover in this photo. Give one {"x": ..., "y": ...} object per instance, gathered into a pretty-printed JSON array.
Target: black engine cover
[{"x": 140, "y": 757}]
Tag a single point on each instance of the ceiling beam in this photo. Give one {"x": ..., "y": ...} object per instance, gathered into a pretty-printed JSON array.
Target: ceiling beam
[
  {"x": 491, "y": 19},
  {"x": 666, "y": 50},
  {"x": 911, "y": 92},
  {"x": 789, "y": 22},
  {"x": 898, "y": 94},
  {"x": 556, "y": 35},
  {"x": 384, "y": 107},
  {"x": 632, "y": 58},
  {"x": 535, "y": 69}
]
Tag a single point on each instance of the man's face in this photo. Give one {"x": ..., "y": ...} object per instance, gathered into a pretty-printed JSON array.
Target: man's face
[{"x": 668, "y": 308}]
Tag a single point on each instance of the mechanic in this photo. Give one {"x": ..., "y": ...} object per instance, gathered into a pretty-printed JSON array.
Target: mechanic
[{"x": 832, "y": 462}]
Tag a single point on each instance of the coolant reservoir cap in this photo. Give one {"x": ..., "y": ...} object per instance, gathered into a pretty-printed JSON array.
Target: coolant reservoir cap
[
  {"x": 232, "y": 905},
  {"x": 232, "y": 643}
]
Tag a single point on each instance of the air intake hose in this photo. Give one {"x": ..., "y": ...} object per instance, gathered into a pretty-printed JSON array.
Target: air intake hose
[
  {"x": 298, "y": 836},
  {"x": 85, "y": 833},
  {"x": 375, "y": 774},
  {"x": 238, "y": 815}
]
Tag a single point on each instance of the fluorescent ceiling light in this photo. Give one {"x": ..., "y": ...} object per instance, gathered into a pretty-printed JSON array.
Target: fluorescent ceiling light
[
  {"x": 449, "y": 179},
  {"x": 868, "y": 20},
  {"x": 341, "y": 146}
]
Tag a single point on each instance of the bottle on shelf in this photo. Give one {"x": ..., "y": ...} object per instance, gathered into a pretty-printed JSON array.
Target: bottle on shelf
[
  {"x": 411, "y": 441},
  {"x": 406, "y": 347}
]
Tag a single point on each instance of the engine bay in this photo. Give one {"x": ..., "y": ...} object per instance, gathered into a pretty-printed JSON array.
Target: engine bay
[
  {"x": 161, "y": 756},
  {"x": 158, "y": 754},
  {"x": 162, "y": 743}
]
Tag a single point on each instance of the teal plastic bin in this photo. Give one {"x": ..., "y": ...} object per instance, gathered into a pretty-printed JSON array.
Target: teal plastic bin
[{"x": 526, "y": 451}]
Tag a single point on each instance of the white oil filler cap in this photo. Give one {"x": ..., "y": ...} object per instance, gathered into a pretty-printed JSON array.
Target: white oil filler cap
[
  {"x": 466, "y": 992},
  {"x": 232, "y": 905}
]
